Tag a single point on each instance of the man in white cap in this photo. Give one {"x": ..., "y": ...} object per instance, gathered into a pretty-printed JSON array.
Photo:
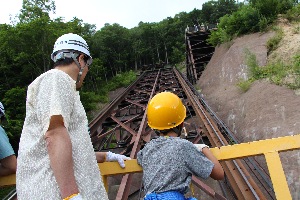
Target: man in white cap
[
  {"x": 8, "y": 161},
  {"x": 56, "y": 159}
]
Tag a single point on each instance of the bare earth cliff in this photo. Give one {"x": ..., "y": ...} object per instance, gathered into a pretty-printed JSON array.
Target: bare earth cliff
[{"x": 266, "y": 110}]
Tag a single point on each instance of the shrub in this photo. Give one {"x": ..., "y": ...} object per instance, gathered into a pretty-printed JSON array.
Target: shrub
[
  {"x": 218, "y": 37},
  {"x": 294, "y": 13},
  {"x": 271, "y": 8},
  {"x": 90, "y": 99},
  {"x": 296, "y": 72},
  {"x": 245, "y": 20},
  {"x": 263, "y": 24},
  {"x": 276, "y": 72},
  {"x": 296, "y": 65},
  {"x": 253, "y": 68},
  {"x": 273, "y": 42},
  {"x": 121, "y": 80},
  {"x": 245, "y": 85}
]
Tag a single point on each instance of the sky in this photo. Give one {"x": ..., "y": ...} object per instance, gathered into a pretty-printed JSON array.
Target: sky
[{"x": 127, "y": 13}]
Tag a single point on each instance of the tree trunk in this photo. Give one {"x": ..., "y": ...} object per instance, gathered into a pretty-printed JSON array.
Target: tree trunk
[{"x": 167, "y": 61}]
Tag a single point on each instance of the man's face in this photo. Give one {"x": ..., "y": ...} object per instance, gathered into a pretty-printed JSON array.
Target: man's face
[
  {"x": 84, "y": 72},
  {"x": 85, "y": 67}
]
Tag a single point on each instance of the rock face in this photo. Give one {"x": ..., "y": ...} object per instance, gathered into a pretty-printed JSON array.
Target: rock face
[{"x": 265, "y": 111}]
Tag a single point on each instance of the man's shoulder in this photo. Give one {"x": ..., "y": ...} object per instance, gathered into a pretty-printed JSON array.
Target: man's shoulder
[
  {"x": 41, "y": 77},
  {"x": 53, "y": 72},
  {"x": 49, "y": 75}
]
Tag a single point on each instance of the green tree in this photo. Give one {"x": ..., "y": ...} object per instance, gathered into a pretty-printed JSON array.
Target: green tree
[
  {"x": 111, "y": 44},
  {"x": 14, "y": 101},
  {"x": 271, "y": 8},
  {"x": 243, "y": 21},
  {"x": 34, "y": 9},
  {"x": 212, "y": 10}
]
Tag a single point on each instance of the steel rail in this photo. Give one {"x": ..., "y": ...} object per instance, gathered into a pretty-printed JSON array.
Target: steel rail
[
  {"x": 243, "y": 185},
  {"x": 96, "y": 122},
  {"x": 232, "y": 139},
  {"x": 123, "y": 191}
]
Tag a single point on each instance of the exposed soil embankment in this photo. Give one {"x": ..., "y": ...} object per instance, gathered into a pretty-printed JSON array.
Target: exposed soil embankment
[{"x": 265, "y": 111}]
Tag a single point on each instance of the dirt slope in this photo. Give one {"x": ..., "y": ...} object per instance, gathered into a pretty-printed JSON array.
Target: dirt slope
[{"x": 265, "y": 110}]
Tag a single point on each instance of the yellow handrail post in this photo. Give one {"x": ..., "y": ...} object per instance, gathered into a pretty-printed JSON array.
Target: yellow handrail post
[
  {"x": 104, "y": 179},
  {"x": 277, "y": 175},
  {"x": 8, "y": 180}
]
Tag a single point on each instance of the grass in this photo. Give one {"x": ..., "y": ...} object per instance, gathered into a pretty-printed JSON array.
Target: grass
[
  {"x": 244, "y": 85},
  {"x": 273, "y": 42},
  {"x": 276, "y": 72},
  {"x": 253, "y": 67}
]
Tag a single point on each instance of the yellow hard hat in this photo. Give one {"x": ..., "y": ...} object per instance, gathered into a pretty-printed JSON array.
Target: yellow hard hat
[{"x": 165, "y": 111}]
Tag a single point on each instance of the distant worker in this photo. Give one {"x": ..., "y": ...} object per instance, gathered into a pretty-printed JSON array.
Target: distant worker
[
  {"x": 56, "y": 159},
  {"x": 196, "y": 28},
  {"x": 187, "y": 29},
  {"x": 169, "y": 162},
  {"x": 8, "y": 160},
  {"x": 202, "y": 27}
]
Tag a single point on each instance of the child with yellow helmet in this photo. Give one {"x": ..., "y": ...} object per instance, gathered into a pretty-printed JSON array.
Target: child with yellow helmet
[{"x": 169, "y": 162}]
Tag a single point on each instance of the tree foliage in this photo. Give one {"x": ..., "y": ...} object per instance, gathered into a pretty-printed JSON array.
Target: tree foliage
[
  {"x": 271, "y": 8},
  {"x": 213, "y": 10},
  {"x": 254, "y": 16},
  {"x": 33, "y": 9}
]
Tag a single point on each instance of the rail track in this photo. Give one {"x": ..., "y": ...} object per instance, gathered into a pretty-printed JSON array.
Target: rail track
[{"x": 122, "y": 127}]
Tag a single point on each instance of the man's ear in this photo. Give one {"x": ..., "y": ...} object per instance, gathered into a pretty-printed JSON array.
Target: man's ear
[{"x": 81, "y": 59}]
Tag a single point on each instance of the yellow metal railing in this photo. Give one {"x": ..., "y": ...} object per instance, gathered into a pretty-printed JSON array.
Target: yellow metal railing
[{"x": 270, "y": 148}]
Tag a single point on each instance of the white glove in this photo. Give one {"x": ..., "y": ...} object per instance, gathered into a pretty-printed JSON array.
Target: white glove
[
  {"x": 201, "y": 146},
  {"x": 116, "y": 157},
  {"x": 76, "y": 197}
]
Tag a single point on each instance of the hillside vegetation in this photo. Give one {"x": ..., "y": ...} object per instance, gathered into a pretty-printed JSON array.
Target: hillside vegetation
[{"x": 281, "y": 17}]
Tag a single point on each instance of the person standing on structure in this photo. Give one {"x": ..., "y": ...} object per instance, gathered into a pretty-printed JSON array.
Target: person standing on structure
[
  {"x": 56, "y": 159},
  {"x": 8, "y": 160},
  {"x": 169, "y": 162}
]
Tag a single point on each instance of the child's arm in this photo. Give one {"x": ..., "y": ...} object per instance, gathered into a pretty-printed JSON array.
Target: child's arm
[{"x": 217, "y": 172}]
